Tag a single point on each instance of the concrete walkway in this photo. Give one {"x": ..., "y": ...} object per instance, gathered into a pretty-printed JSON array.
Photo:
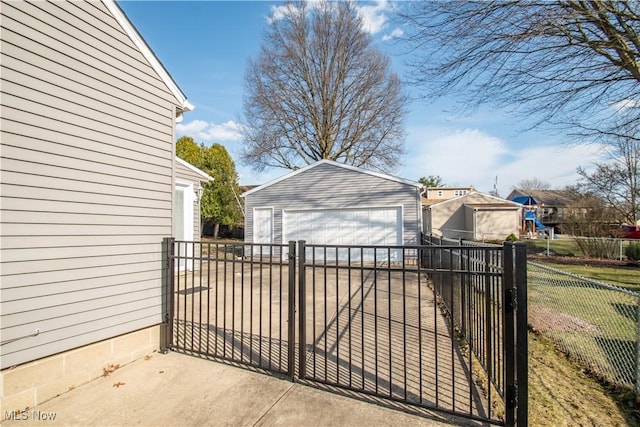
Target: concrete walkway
[{"x": 179, "y": 390}]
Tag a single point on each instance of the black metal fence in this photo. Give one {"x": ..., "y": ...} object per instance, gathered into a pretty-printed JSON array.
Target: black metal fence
[
  {"x": 483, "y": 291},
  {"x": 230, "y": 306},
  {"x": 430, "y": 325}
]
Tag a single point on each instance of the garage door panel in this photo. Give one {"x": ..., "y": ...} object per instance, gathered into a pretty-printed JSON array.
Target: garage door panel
[{"x": 380, "y": 226}]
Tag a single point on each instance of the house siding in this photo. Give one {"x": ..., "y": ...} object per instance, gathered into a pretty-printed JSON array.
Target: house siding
[
  {"x": 86, "y": 179},
  {"x": 328, "y": 186},
  {"x": 492, "y": 224},
  {"x": 448, "y": 220}
]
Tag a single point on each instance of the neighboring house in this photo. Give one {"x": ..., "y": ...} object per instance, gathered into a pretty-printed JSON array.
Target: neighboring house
[
  {"x": 87, "y": 190},
  {"x": 553, "y": 208},
  {"x": 434, "y": 195},
  {"x": 475, "y": 216},
  {"x": 335, "y": 204}
]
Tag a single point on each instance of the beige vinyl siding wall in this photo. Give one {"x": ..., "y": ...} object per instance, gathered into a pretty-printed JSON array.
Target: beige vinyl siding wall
[
  {"x": 86, "y": 179},
  {"x": 327, "y": 186},
  {"x": 447, "y": 219},
  {"x": 492, "y": 223},
  {"x": 185, "y": 174}
]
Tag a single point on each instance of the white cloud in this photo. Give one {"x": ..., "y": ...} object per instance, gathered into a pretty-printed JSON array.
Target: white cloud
[
  {"x": 474, "y": 157},
  {"x": 393, "y": 34},
  {"x": 626, "y": 104},
  {"x": 203, "y": 131},
  {"x": 373, "y": 17},
  {"x": 191, "y": 128},
  {"x": 279, "y": 12}
]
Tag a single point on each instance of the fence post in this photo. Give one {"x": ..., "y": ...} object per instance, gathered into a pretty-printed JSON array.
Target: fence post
[
  {"x": 522, "y": 334},
  {"x": 509, "y": 337},
  {"x": 291, "y": 347},
  {"x": 302, "y": 294},
  {"x": 168, "y": 245},
  {"x": 637, "y": 385}
]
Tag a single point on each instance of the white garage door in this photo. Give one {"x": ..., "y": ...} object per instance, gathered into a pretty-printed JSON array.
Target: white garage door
[{"x": 360, "y": 227}]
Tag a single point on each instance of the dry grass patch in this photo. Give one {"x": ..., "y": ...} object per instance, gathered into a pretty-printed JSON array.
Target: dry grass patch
[{"x": 560, "y": 394}]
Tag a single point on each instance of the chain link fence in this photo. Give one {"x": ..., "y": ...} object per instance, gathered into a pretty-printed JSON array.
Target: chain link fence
[
  {"x": 591, "y": 247},
  {"x": 595, "y": 323}
]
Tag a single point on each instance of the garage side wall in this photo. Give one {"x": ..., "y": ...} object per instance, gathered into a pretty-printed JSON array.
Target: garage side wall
[
  {"x": 328, "y": 186},
  {"x": 494, "y": 224},
  {"x": 448, "y": 220}
]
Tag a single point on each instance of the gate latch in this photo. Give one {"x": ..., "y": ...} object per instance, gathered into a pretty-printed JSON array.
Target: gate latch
[
  {"x": 512, "y": 401},
  {"x": 510, "y": 299}
]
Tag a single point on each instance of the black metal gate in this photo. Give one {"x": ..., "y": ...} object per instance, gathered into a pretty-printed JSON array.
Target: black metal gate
[{"x": 433, "y": 326}]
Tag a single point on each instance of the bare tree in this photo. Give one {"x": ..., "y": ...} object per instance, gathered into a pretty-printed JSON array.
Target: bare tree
[
  {"x": 572, "y": 63},
  {"x": 617, "y": 181},
  {"x": 532, "y": 184},
  {"x": 319, "y": 90}
]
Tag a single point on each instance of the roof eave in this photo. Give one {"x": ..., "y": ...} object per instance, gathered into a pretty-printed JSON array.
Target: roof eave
[
  {"x": 331, "y": 162},
  {"x": 189, "y": 166},
  {"x": 146, "y": 51}
]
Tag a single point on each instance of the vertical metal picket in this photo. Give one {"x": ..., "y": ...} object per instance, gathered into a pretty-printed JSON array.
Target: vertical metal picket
[
  {"x": 508, "y": 310},
  {"x": 522, "y": 334},
  {"x": 291, "y": 345},
  {"x": 302, "y": 293},
  {"x": 168, "y": 245}
]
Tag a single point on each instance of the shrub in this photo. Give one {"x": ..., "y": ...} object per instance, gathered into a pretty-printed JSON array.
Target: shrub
[
  {"x": 512, "y": 238},
  {"x": 594, "y": 247},
  {"x": 633, "y": 251}
]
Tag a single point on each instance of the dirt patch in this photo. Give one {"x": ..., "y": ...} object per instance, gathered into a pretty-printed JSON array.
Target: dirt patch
[{"x": 543, "y": 319}]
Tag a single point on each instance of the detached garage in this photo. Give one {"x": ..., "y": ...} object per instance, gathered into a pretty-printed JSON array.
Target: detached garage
[
  {"x": 474, "y": 216},
  {"x": 329, "y": 203}
]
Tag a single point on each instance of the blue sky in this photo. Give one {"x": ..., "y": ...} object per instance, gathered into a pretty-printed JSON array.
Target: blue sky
[{"x": 205, "y": 46}]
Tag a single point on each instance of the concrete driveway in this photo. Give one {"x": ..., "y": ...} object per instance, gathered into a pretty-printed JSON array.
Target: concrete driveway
[
  {"x": 375, "y": 331},
  {"x": 179, "y": 390}
]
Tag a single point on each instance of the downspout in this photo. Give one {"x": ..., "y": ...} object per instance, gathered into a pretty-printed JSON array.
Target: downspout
[
  {"x": 421, "y": 190},
  {"x": 475, "y": 224}
]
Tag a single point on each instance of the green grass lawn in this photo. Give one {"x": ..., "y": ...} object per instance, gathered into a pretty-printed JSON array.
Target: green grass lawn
[
  {"x": 562, "y": 247},
  {"x": 624, "y": 277},
  {"x": 595, "y": 325}
]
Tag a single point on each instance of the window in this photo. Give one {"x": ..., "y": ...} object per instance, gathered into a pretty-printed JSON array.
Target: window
[
  {"x": 460, "y": 192},
  {"x": 440, "y": 193}
]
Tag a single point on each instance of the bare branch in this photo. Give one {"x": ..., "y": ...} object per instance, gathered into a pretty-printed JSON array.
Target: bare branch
[
  {"x": 319, "y": 90},
  {"x": 568, "y": 63}
]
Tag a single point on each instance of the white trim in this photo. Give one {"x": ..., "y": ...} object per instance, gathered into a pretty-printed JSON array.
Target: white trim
[
  {"x": 189, "y": 202},
  {"x": 331, "y": 162},
  {"x": 253, "y": 220},
  {"x": 340, "y": 208},
  {"x": 194, "y": 169},
  {"x": 187, "y": 227},
  {"x": 146, "y": 51}
]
